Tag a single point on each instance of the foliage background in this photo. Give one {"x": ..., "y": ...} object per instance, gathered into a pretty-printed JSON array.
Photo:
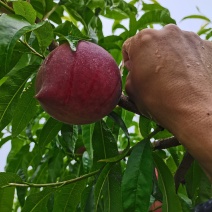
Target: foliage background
[{"x": 56, "y": 167}]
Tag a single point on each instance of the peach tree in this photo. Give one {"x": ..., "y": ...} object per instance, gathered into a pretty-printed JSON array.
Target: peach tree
[{"x": 123, "y": 162}]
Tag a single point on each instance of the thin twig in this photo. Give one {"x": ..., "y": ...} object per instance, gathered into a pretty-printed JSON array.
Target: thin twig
[
  {"x": 33, "y": 50},
  {"x": 26, "y": 184},
  {"x": 9, "y": 9},
  {"x": 166, "y": 143}
]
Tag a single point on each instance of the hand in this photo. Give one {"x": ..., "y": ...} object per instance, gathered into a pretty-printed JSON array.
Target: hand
[{"x": 170, "y": 80}]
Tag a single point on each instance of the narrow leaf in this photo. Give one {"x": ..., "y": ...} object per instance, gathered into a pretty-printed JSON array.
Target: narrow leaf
[
  {"x": 38, "y": 201},
  {"x": 6, "y": 199},
  {"x": 10, "y": 92},
  {"x": 100, "y": 184},
  {"x": 137, "y": 180},
  {"x": 104, "y": 144},
  {"x": 6, "y": 178},
  {"x": 197, "y": 17},
  {"x": 87, "y": 132},
  {"x": 25, "y": 110},
  {"x": 49, "y": 131},
  {"x": 171, "y": 201},
  {"x": 68, "y": 197}
]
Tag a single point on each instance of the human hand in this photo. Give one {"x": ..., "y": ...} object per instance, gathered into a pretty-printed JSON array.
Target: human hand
[{"x": 170, "y": 80}]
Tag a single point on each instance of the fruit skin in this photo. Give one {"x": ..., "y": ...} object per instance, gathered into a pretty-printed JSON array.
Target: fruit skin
[
  {"x": 155, "y": 205},
  {"x": 78, "y": 87}
]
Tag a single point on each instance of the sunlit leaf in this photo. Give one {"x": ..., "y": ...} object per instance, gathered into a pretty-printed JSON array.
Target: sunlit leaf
[{"x": 26, "y": 10}]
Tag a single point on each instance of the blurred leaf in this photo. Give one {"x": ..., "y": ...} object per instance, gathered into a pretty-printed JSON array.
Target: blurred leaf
[
  {"x": 10, "y": 92},
  {"x": 171, "y": 201},
  {"x": 17, "y": 162},
  {"x": 26, "y": 10},
  {"x": 49, "y": 131},
  {"x": 6, "y": 199},
  {"x": 156, "y": 6},
  {"x": 155, "y": 17},
  {"x": 55, "y": 165},
  {"x": 133, "y": 25},
  {"x": 197, "y": 17},
  {"x": 6, "y": 177},
  {"x": 24, "y": 111},
  {"x": 38, "y": 202},
  {"x": 137, "y": 180},
  {"x": 11, "y": 29},
  {"x": 67, "y": 198}
]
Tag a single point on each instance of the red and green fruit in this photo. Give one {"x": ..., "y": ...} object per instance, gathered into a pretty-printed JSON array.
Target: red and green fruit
[{"x": 78, "y": 87}]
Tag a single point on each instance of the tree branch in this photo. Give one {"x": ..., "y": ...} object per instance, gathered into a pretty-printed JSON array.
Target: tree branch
[
  {"x": 26, "y": 184},
  {"x": 166, "y": 143},
  {"x": 5, "y": 6},
  {"x": 127, "y": 104},
  {"x": 185, "y": 164}
]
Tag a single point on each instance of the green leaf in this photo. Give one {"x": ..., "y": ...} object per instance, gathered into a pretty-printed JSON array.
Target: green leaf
[
  {"x": 109, "y": 185},
  {"x": 11, "y": 29},
  {"x": 55, "y": 164},
  {"x": 68, "y": 197},
  {"x": 155, "y": 17},
  {"x": 137, "y": 179},
  {"x": 145, "y": 126},
  {"x": 49, "y": 131},
  {"x": 70, "y": 136},
  {"x": 38, "y": 202},
  {"x": 9, "y": 25},
  {"x": 171, "y": 201},
  {"x": 25, "y": 110},
  {"x": 17, "y": 162},
  {"x": 10, "y": 92},
  {"x": 6, "y": 178},
  {"x": 26, "y": 10},
  {"x": 104, "y": 144},
  {"x": 6, "y": 199},
  {"x": 87, "y": 132},
  {"x": 100, "y": 184},
  {"x": 197, "y": 17},
  {"x": 71, "y": 33},
  {"x": 112, "y": 189},
  {"x": 44, "y": 35}
]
